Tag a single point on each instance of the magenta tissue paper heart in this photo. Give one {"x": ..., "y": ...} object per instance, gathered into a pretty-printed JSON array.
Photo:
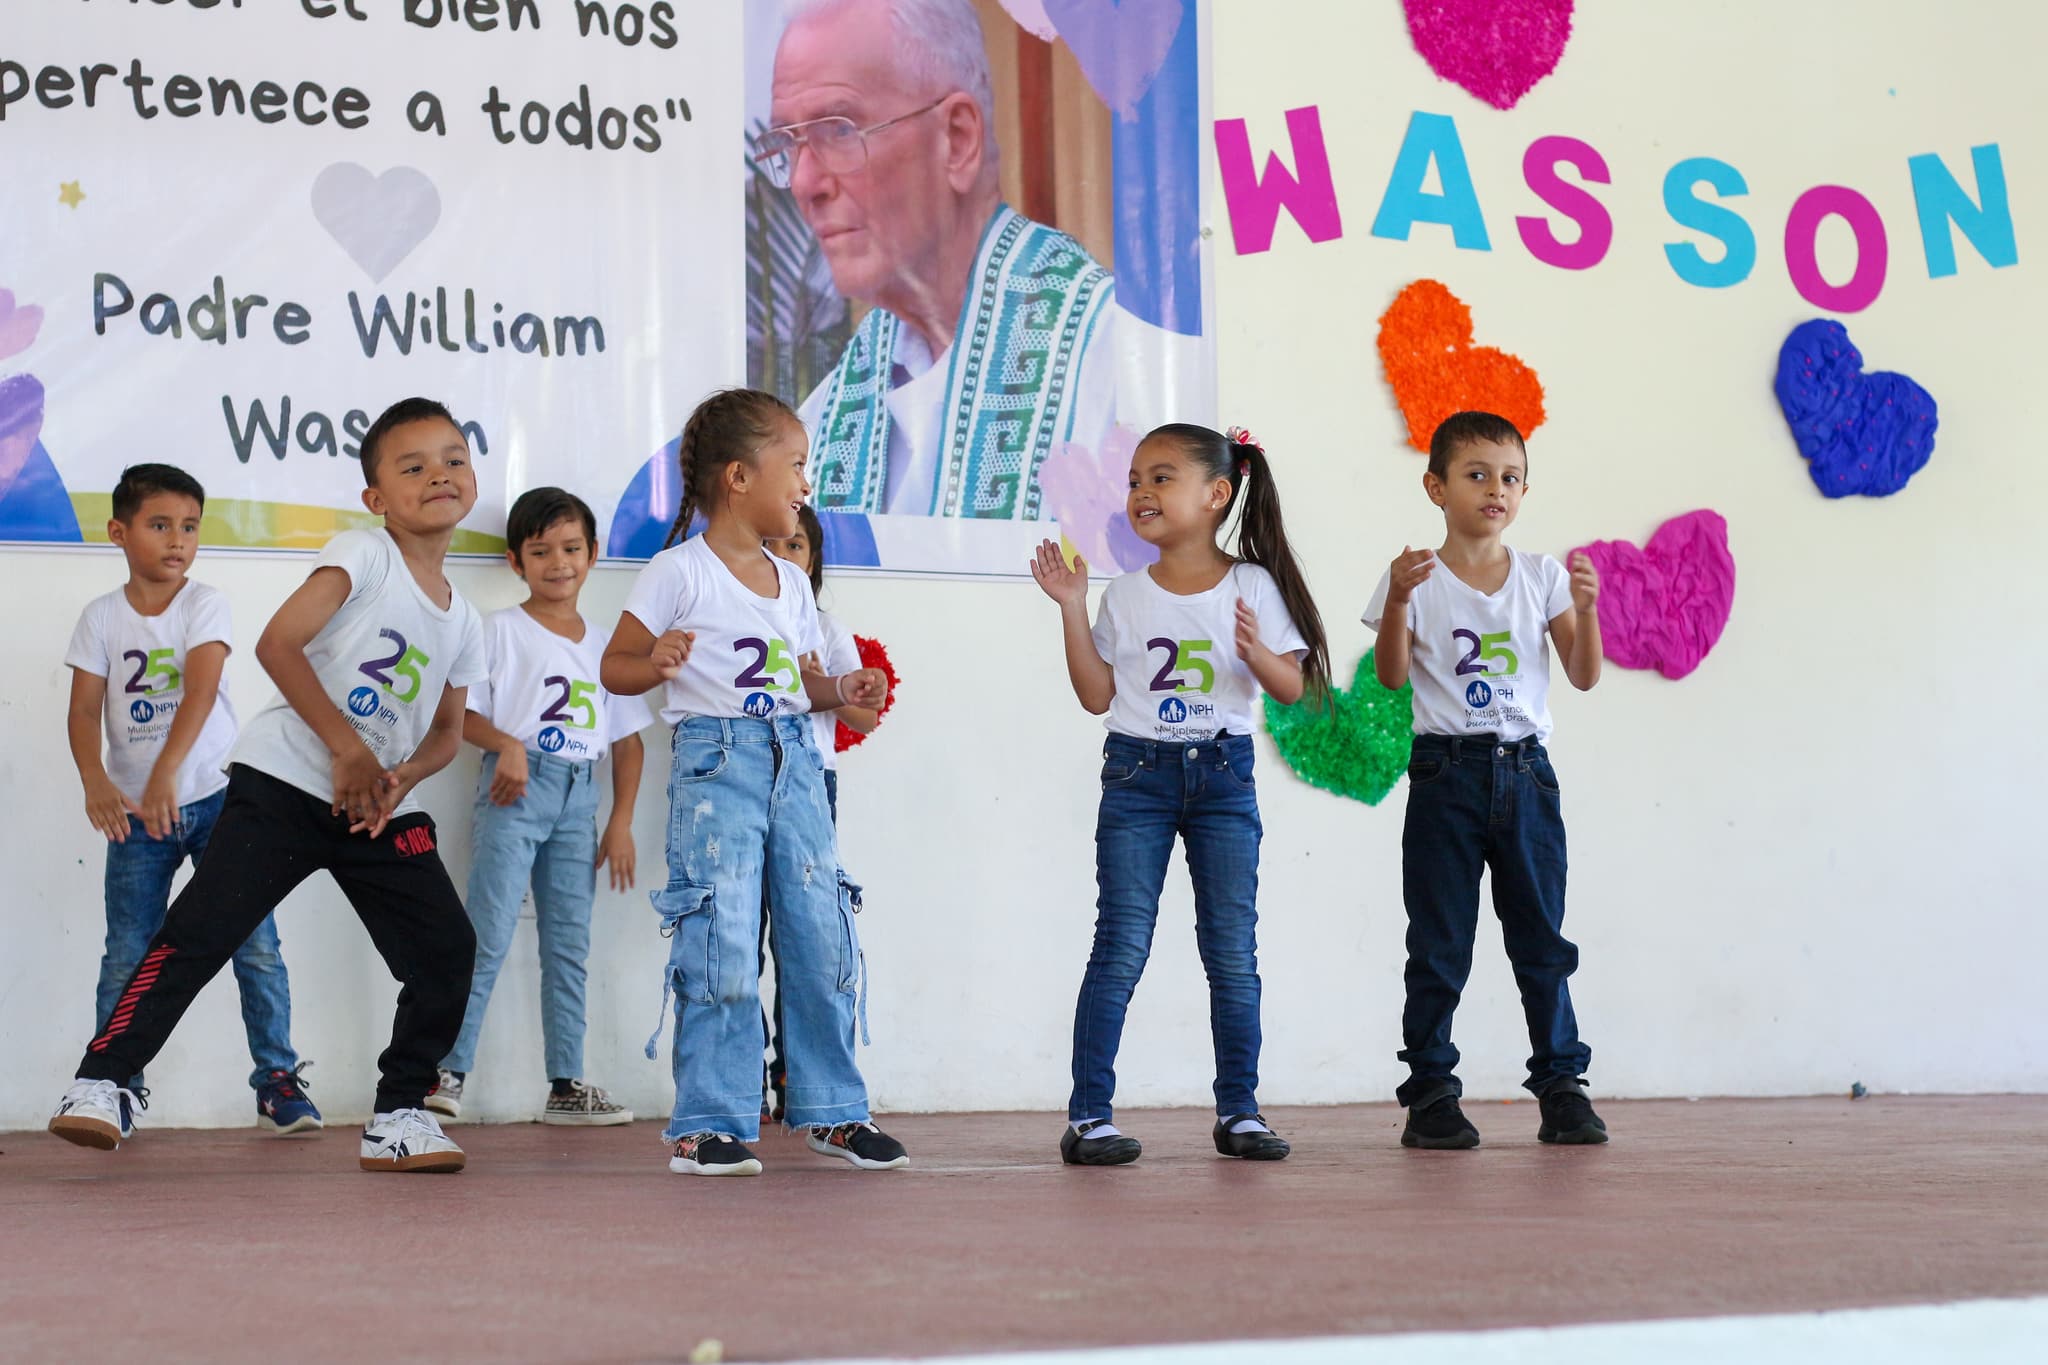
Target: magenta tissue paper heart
[
  {"x": 1663, "y": 606},
  {"x": 1496, "y": 49}
]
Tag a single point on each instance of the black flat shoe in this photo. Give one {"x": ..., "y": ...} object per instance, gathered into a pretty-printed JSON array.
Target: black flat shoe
[
  {"x": 1078, "y": 1149},
  {"x": 1252, "y": 1146}
]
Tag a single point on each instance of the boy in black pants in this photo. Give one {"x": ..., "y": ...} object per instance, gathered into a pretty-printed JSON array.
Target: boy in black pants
[{"x": 372, "y": 656}]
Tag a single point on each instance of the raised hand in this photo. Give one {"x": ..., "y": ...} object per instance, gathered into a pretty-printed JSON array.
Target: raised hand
[
  {"x": 1247, "y": 630},
  {"x": 1065, "y": 585},
  {"x": 1585, "y": 582},
  {"x": 671, "y": 651},
  {"x": 1409, "y": 571}
]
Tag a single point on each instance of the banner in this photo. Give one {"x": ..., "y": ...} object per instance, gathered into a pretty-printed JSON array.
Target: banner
[{"x": 234, "y": 233}]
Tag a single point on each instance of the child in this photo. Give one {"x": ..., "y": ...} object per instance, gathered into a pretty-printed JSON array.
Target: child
[
  {"x": 162, "y": 640},
  {"x": 543, "y": 723},
  {"x": 720, "y": 625},
  {"x": 371, "y": 656},
  {"x": 1177, "y": 658},
  {"x": 806, "y": 550},
  {"x": 1481, "y": 791}
]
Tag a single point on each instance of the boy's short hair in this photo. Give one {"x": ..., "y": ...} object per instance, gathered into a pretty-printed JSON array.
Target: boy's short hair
[
  {"x": 397, "y": 415},
  {"x": 1464, "y": 428},
  {"x": 536, "y": 512},
  {"x": 140, "y": 481}
]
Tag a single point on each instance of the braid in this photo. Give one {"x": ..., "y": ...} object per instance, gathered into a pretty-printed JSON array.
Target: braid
[
  {"x": 686, "y": 451},
  {"x": 730, "y": 425}
]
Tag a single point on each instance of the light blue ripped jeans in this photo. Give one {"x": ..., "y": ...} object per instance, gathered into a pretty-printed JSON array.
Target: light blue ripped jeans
[{"x": 747, "y": 803}]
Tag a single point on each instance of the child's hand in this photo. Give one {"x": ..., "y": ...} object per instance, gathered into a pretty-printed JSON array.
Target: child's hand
[
  {"x": 392, "y": 785},
  {"x": 1065, "y": 585},
  {"x": 508, "y": 783},
  {"x": 158, "y": 808},
  {"x": 1247, "y": 630},
  {"x": 107, "y": 809},
  {"x": 1585, "y": 582},
  {"x": 357, "y": 775},
  {"x": 1410, "y": 570},
  {"x": 616, "y": 848},
  {"x": 671, "y": 651},
  {"x": 864, "y": 687}
]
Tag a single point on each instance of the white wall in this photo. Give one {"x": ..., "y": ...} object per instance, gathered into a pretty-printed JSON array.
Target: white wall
[{"x": 1805, "y": 865}]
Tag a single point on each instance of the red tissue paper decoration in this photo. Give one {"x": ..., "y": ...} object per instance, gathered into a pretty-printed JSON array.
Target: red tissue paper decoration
[
  {"x": 1435, "y": 370},
  {"x": 872, "y": 655}
]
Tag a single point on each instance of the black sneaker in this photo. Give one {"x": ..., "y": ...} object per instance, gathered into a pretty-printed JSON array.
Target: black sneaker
[
  {"x": 861, "y": 1144},
  {"x": 713, "y": 1154},
  {"x": 1568, "y": 1117},
  {"x": 1079, "y": 1149},
  {"x": 1253, "y": 1145},
  {"x": 1440, "y": 1124}
]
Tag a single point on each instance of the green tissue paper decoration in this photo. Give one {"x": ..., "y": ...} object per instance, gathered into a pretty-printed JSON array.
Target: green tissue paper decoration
[{"x": 1359, "y": 749}]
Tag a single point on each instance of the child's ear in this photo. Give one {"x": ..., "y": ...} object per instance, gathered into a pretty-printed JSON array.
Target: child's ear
[
  {"x": 373, "y": 500},
  {"x": 117, "y": 533},
  {"x": 1433, "y": 486},
  {"x": 512, "y": 561}
]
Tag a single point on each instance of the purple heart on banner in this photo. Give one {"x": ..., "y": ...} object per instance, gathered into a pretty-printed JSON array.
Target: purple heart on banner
[{"x": 1121, "y": 44}]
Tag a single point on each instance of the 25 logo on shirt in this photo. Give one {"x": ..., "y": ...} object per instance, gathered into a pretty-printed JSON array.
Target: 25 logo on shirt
[
  {"x": 399, "y": 671},
  {"x": 1183, "y": 656},
  {"x": 1485, "y": 649},
  {"x": 577, "y": 698},
  {"x": 154, "y": 664}
]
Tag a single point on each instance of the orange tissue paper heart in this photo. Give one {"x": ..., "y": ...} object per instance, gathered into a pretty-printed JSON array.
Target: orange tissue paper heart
[{"x": 1435, "y": 370}]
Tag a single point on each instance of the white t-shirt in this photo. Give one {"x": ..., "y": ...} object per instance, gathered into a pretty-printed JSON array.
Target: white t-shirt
[
  {"x": 840, "y": 655},
  {"x": 1481, "y": 664},
  {"x": 143, "y": 660},
  {"x": 383, "y": 659},
  {"x": 543, "y": 689},
  {"x": 744, "y": 659},
  {"x": 1178, "y": 677}
]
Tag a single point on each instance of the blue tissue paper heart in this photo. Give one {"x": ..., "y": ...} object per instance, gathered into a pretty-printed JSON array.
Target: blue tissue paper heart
[{"x": 1861, "y": 433}]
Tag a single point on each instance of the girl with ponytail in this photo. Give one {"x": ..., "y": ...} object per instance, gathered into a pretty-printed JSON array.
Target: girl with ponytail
[
  {"x": 1176, "y": 658},
  {"x": 720, "y": 626}
]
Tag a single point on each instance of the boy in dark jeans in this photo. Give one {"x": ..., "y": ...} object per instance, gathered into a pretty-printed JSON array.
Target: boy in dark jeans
[
  {"x": 372, "y": 656},
  {"x": 1472, "y": 620}
]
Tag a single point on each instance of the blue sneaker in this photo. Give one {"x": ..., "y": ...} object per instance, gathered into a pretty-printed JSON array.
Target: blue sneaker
[{"x": 281, "y": 1103}]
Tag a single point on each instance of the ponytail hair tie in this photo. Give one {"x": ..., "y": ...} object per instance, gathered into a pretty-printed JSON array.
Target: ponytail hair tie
[{"x": 1239, "y": 436}]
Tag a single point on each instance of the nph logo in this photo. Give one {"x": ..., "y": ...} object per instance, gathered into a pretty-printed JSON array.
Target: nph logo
[
  {"x": 1478, "y": 694},
  {"x": 758, "y": 704},
  {"x": 551, "y": 740},
  {"x": 141, "y": 712},
  {"x": 363, "y": 701},
  {"x": 1173, "y": 710}
]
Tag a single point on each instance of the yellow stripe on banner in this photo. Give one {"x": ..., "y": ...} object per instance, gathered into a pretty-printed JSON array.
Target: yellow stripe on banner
[{"x": 242, "y": 524}]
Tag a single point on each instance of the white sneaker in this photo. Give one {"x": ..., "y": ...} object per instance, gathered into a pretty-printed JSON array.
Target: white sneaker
[
  {"x": 447, "y": 1097},
  {"x": 408, "y": 1140},
  {"x": 93, "y": 1114}
]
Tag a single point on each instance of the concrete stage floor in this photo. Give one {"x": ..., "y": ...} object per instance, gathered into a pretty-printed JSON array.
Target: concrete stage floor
[{"x": 578, "y": 1245}]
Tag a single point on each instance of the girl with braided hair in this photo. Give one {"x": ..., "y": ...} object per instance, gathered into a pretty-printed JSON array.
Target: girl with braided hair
[{"x": 720, "y": 626}]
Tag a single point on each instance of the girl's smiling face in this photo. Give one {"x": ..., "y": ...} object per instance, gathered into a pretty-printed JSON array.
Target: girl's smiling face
[{"x": 1169, "y": 496}]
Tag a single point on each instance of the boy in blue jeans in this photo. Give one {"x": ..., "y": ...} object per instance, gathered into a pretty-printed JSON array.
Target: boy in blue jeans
[
  {"x": 1474, "y": 620},
  {"x": 544, "y": 721},
  {"x": 147, "y": 658}
]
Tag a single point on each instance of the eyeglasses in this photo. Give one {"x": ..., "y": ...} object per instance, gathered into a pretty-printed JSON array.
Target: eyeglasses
[{"x": 840, "y": 145}]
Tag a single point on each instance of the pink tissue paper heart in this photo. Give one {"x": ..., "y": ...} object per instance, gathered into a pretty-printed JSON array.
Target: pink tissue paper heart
[
  {"x": 18, "y": 326},
  {"x": 1664, "y": 606},
  {"x": 1120, "y": 44},
  {"x": 1496, "y": 49}
]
